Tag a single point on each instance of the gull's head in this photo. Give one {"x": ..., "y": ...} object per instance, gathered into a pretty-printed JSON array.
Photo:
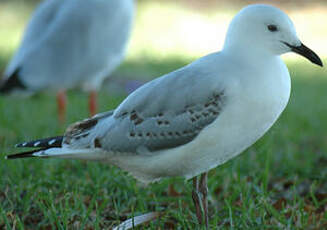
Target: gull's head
[{"x": 267, "y": 30}]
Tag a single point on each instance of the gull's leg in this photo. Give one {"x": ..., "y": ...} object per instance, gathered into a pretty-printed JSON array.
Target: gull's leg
[
  {"x": 93, "y": 103},
  {"x": 61, "y": 103},
  {"x": 196, "y": 199},
  {"x": 203, "y": 188}
]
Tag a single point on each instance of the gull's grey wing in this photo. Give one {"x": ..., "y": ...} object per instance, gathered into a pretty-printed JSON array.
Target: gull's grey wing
[
  {"x": 164, "y": 113},
  {"x": 133, "y": 132},
  {"x": 167, "y": 112}
]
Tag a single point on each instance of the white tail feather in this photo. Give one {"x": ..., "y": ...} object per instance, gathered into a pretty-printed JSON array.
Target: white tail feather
[{"x": 85, "y": 154}]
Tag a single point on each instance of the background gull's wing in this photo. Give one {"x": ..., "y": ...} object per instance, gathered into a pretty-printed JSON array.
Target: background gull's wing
[
  {"x": 36, "y": 29},
  {"x": 89, "y": 37}
]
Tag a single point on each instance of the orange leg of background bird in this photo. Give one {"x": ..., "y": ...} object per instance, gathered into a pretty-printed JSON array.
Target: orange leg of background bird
[
  {"x": 93, "y": 103},
  {"x": 61, "y": 103}
]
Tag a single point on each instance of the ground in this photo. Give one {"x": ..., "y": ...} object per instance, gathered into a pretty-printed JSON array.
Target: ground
[{"x": 279, "y": 183}]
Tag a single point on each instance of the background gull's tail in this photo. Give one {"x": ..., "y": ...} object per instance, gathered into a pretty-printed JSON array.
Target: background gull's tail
[{"x": 12, "y": 83}]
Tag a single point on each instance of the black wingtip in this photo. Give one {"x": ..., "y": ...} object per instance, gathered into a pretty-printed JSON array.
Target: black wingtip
[
  {"x": 23, "y": 154},
  {"x": 11, "y": 83},
  {"x": 49, "y": 142}
]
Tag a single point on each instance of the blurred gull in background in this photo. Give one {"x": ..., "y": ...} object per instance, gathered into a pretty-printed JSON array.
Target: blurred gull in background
[
  {"x": 195, "y": 118},
  {"x": 69, "y": 44}
]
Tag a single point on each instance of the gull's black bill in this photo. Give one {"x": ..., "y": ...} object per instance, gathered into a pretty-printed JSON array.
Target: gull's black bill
[{"x": 306, "y": 52}]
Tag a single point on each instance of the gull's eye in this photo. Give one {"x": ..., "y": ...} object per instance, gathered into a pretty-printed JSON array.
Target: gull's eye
[{"x": 272, "y": 28}]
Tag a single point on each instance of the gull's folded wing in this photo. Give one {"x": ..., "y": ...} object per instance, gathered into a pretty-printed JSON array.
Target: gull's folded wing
[{"x": 165, "y": 113}]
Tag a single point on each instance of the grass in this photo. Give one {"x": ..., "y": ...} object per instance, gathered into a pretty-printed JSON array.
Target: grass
[{"x": 279, "y": 183}]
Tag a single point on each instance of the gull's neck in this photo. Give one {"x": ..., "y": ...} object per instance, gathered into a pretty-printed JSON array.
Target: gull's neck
[
  {"x": 255, "y": 59},
  {"x": 247, "y": 50},
  {"x": 250, "y": 53}
]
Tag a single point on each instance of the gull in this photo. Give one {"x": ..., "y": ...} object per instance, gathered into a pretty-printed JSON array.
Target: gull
[
  {"x": 198, "y": 117},
  {"x": 69, "y": 44}
]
